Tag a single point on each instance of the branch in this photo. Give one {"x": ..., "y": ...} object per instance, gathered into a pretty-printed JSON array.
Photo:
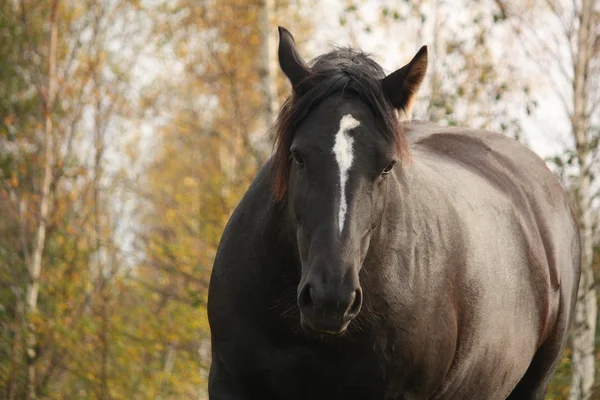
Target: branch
[
  {"x": 567, "y": 29},
  {"x": 539, "y": 41},
  {"x": 167, "y": 294}
]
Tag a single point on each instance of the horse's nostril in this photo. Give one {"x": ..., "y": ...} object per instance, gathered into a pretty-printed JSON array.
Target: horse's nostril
[
  {"x": 355, "y": 305},
  {"x": 305, "y": 301}
]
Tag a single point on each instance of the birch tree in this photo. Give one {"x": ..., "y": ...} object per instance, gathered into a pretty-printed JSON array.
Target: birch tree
[
  {"x": 585, "y": 72},
  {"x": 35, "y": 267}
]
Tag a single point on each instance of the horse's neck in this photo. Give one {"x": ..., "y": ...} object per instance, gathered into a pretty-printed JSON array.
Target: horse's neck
[
  {"x": 401, "y": 233},
  {"x": 282, "y": 235}
]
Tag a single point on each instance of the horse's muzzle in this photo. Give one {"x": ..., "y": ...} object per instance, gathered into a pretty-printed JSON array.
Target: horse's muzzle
[{"x": 328, "y": 313}]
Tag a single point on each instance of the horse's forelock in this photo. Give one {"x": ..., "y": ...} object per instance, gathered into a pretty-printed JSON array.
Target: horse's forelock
[{"x": 342, "y": 70}]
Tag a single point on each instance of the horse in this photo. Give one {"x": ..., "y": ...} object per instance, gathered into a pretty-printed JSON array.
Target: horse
[{"x": 375, "y": 257}]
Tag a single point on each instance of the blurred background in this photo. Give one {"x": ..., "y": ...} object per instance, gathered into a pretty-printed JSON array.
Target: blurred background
[{"x": 129, "y": 130}]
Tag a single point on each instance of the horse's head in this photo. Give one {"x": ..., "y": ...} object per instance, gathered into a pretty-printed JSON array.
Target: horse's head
[{"x": 339, "y": 141}]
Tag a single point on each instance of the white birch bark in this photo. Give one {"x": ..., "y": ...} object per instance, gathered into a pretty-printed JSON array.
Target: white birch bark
[
  {"x": 35, "y": 267},
  {"x": 584, "y": 328}
]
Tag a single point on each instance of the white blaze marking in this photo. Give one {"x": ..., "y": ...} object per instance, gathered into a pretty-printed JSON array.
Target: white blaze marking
[{"x": 342, "y": 149}]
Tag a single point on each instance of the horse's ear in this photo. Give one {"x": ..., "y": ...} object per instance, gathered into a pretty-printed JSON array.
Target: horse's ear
[
  {"x": 290, "y": 60},
  {"x": 401, "y": 86}
]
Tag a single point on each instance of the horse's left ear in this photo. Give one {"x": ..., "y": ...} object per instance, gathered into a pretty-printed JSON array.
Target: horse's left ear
[
  {"x": 401, "y": 86},
  {"x": 290, "y": 60}
]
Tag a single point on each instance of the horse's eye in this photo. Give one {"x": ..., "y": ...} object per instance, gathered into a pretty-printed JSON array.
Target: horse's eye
[
  {"x": 298, "y": 158},
  {"x": 388, "y": 168}
]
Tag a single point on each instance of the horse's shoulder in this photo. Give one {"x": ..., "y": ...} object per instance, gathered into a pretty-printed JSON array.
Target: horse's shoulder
[{"x": 239, "y": 254}]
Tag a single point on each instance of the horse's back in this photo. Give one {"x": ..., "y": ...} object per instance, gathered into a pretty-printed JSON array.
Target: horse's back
[
  {"x": 502, "y": 175},
  {"x": 513, "y": 171}
]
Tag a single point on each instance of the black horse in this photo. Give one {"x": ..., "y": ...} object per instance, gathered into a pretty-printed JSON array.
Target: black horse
[{"x": 378, "y": 259}]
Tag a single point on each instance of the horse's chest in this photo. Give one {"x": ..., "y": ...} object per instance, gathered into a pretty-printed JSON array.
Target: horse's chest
[{"x": 311, "y": 374}]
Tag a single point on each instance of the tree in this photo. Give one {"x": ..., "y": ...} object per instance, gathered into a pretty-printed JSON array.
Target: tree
[
  {"x": 62, "y": 67},
  {"x": 581, "y": 116},
  {"x": 35, "y": 267}
]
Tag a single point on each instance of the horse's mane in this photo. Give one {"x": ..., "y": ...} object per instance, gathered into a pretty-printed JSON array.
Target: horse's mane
[{"x": 341, "y": 70}]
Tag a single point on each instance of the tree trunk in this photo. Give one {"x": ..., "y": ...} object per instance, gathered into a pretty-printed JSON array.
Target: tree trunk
[
  {"x": 35, "y": 268},
  {"x": 15, "y": 351},
  {"x": 435, "y": 112},
  {"x": 268, "y": 62},
  {"x": 167, "y": 371},
  {"x": 103, "y": 290},
  {"x": 584, "y": 328}
]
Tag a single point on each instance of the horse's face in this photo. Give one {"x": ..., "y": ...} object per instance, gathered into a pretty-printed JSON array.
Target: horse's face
[
  {"x": 337, "y": 162},
  {"x": 336, "y": 198}
]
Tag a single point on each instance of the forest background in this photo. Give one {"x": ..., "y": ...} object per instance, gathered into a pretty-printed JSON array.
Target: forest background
[{"x": 130, "y": 129}]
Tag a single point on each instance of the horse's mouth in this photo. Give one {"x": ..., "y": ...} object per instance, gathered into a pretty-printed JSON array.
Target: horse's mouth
[{"x": 324, "y": 327}]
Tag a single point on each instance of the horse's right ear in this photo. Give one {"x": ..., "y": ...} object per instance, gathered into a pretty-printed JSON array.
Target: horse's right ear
[
  {"x": 290, "y": 60},
  {"x": 401, "y": 86}
]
